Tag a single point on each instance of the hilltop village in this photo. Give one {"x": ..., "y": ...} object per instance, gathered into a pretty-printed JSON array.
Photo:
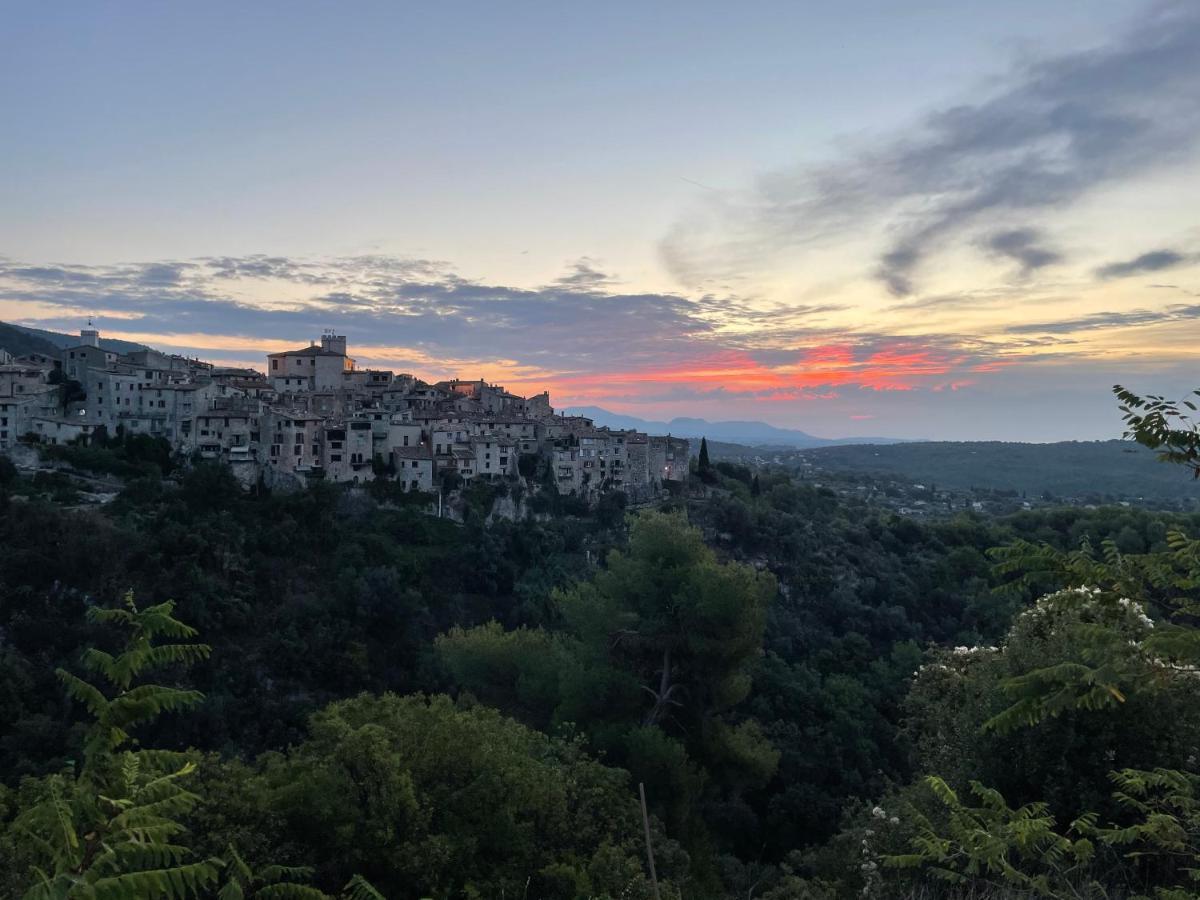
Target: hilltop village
[{"x": 316, "y": 415}]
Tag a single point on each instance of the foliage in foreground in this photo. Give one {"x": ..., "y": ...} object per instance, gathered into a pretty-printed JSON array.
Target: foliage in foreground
[
  {"x": 112, "y": 828},
  {"x": 420, "y": 796},
  {"x": 1086, "y": 657}
]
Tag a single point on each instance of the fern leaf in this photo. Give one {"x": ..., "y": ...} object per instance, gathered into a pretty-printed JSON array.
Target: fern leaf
[
  {"x": 358, "y": 888},
  {"x": 83, "y": 692},
  {"x": 276, "y": 873},
  {"x": 289, "y": 891},
  {"x": 177, "y": 883}
]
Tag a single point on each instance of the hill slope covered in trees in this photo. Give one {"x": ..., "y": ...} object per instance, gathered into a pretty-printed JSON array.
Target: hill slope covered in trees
[
  {"x": 821, "y": 699},
  {"x": 1071, "y": 468}
]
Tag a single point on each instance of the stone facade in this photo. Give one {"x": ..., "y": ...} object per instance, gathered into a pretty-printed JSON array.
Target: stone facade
[{"x": 315, "y": 415}]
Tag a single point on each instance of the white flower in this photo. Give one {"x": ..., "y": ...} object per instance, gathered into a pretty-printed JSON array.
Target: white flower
[{"x": 879, "y": 812}]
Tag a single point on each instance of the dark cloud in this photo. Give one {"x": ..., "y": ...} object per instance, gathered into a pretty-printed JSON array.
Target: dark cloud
[
  {"x": 259, "y": 266},
  {"x": 1025, "y": 246},
  {"x": 1154, "y": 261},
  {"x": 1055, "y": 129},
  {"x": 384, "y": 303},
  {"x": 895, "y": 266},
  {"x": 381, "y": 301},
  {"x": 584, "y": 275},
  {"x": 162, "y": 274},
  {"x": 52, "y": 274},
  {"x": 1130, "y": 319}
]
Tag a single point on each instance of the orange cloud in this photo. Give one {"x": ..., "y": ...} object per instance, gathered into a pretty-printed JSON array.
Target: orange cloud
[{"x": 900, "y": 367}]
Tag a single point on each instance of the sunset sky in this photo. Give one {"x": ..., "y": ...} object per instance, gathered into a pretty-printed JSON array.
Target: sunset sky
[{"x": 958, "y": 219}]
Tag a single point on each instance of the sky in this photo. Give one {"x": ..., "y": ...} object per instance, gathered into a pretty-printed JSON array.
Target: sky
[{"x": 939, "y": 219}]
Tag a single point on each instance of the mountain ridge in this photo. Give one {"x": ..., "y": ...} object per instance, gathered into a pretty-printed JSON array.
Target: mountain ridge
[
  {"x": 750, "y": 433},
  {"x": 61, "y": 340}
]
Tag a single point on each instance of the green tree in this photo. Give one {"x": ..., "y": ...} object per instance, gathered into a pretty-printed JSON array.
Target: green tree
[
  {"x": 667, "y": 612},
  {"x": 652, "y": 656},
  {"x": 1087, "y": 653},
  {"x": 995, "y": 845},
  {"x": 1163, "y": 425},
  {"x": 109, "y": 828},
  {"x": 115, "y": 827},
  {"x": 8, "y": 472},
  {"x": 429, "y": 799}
]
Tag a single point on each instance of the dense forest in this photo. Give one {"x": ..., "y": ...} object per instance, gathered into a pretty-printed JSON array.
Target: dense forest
[{"x": 205, "y": 692}]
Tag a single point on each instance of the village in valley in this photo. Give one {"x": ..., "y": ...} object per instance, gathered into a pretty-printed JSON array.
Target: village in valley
[{"x": 315, "y": 415}]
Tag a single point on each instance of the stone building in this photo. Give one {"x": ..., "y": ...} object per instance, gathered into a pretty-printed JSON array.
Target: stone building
[{"x": 316, "y": 415}]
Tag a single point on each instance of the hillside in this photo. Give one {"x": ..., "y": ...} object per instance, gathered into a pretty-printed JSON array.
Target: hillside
[
  {"x": 56, "y": 340},
  {"x": 18, "y": 342},
  {"x": 1071, "y": 468}
]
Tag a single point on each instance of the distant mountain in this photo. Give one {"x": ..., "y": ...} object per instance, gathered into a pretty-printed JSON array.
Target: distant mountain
[
  {"x": 59, "y": 341},
  {"x": 749, "y": 433}
]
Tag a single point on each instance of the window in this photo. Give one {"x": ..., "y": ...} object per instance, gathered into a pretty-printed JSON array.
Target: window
[
  {"x": 274, "y": 365},
  {"x": 298, "y": 450},
  {"x": 335, "y": 457}
]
